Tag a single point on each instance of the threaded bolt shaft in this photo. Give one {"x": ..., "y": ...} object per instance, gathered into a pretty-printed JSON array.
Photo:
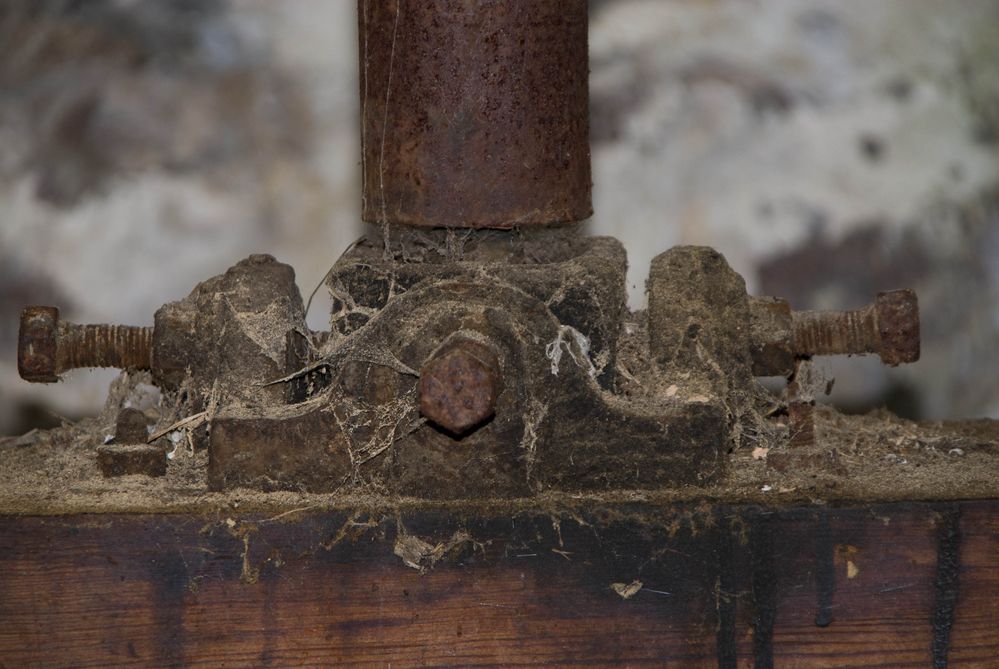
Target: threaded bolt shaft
[
  {"x": 48, "y": 346},
  {"x": 834, "y": 332},
  {"x": 889, "y": 327},
  {"x": 121, "y": 346}
]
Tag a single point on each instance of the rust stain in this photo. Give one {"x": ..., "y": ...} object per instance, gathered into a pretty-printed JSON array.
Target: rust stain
[
  {"x": 459, "y": 386},
  {"x": 474, "y": 114},
  {"x": 49, "y": 346}
]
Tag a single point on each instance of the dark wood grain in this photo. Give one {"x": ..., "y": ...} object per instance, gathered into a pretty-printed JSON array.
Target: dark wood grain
[{"x": 722, "y": 587}]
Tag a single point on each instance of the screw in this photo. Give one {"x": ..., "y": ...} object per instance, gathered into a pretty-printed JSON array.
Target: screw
[
  {"x": 47, "y": 346},
  {"x": 459, "y": 386},
  {"x": 889, "y": 327}
]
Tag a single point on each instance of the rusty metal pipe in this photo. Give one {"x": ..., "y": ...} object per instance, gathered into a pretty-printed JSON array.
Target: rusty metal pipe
[{"x": 474, "y": 113}]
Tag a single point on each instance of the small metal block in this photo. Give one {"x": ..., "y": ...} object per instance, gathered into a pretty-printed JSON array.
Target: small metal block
[
  {"x": 130, "y": 454},
  {"x": 131, "y": 427},
  {"x": 124, "y": 459}
]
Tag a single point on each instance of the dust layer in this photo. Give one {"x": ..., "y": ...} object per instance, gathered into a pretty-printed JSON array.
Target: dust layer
[{"x": 873, "y": 458}]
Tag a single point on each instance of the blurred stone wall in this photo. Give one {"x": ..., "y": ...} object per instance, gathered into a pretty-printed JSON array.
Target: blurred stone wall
[{"x": 829, "y": 149}]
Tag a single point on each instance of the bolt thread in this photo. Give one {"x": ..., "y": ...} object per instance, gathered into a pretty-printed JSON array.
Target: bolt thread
[
  {"x": 120, "y": 346},
  {"x": 835, "y": 332}
]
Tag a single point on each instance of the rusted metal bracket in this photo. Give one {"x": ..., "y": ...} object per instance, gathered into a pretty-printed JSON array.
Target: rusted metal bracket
[
  {"x": 540, "y": 415},
  {"x": 447, "y": 379}
]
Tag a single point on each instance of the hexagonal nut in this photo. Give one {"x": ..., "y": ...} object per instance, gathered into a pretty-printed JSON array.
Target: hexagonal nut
[
  {"x": 898, "y": 326},
  {"x": 459, "y": 386},
  {"x": 37, "y": 344}
]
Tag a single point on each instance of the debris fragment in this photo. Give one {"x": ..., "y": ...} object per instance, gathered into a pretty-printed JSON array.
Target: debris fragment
[
  {"x": 421, "y": 555},
  {"x": 760, "y": 453},
  {"x": 845, "y": 553},
  {"x": 190, "y": 423},
  {"x": 175, "y": 439},
  {"x": 553, "y": 350},
  {"x": 415, "y": 552},
  {"x": 26, "y": 439},
  {"x": 627, "y": 591}
]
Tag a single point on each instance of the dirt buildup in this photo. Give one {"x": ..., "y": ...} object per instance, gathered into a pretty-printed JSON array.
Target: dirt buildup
[
  {"x": 542, "y": 245},
  {"x": 594, "y": 404},
  {"x": 872, "y": 458}
]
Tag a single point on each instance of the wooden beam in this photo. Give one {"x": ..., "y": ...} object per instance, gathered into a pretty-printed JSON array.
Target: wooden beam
[{"x": 895, "y": 585}]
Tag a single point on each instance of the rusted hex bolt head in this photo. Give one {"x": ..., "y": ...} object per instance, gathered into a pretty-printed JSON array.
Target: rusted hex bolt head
[
  {"x": 459, "y": 385},
  {"x": 897, "y": 314},
  {"x": 36, "y": 345}
]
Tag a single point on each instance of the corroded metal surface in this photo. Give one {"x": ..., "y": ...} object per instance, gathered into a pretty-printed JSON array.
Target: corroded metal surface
[
  {"x": 231, "y": 330},
  {"x": 131, "y": 427},
  {"x": 232, "y": 327},
  {"x": 48, "y": 346},
  {"x": 554, "y": 427},
  {"x": 474, "y": 114},
  {"x": 131, "y": 459},
  {"x": 897, "y": 313},
  {"x": 889, "y": 327},
  {"x": 519, "y": 345},
  {"x": 459, "y": 385}
]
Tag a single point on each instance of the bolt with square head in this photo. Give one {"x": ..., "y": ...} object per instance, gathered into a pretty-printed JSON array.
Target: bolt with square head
[
  {"x": 889, "y": 327},
  {"x": 459, "y": 386},
  {"x": 48, "y": 346}
]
